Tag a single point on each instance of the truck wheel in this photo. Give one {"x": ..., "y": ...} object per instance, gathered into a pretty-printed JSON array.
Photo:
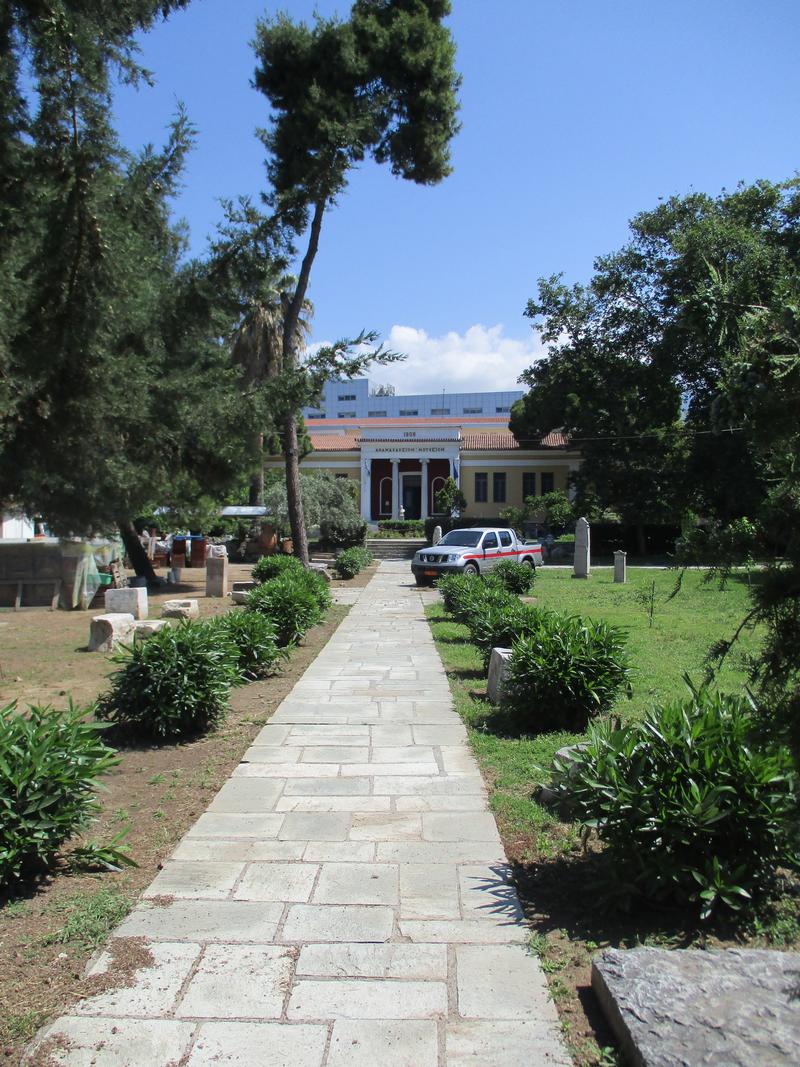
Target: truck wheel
[
  {"x": 422, "y": 581},
  {"x": 471, "y": 570},
  {"x": 528, "y": 562}
]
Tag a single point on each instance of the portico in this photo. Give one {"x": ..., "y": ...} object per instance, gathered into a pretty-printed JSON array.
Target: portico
[{"x": 405, "y": 469}]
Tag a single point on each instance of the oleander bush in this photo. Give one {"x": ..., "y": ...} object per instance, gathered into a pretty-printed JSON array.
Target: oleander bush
[
  {"x": 499, "y": 621},
  {"x": 564, "y": 672},
  {"x": 173, "y": 684},
  {"x": 273, "y": 566},
  {"x": 353, "y": 560},
  {"x": 294, "y": 603},
  {"x": 513, "y": 576},
  {"x": 49, "y": 765},
  {"x": 254, "y": 637},
  {"x": 693, "y": 810},
  {"x": 464, "y": 596}
]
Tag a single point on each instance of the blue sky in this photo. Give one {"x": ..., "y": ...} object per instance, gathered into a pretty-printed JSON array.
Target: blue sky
[{"x": 576, "y": 114}]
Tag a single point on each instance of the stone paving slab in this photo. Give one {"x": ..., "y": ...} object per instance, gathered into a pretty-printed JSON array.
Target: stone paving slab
[{"x": 345, "y": 900}]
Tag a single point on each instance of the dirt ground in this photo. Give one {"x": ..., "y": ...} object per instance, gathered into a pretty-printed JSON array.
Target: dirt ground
[
  {"x": 50, "y": 929},
  {"x": 43, "y": 657}
]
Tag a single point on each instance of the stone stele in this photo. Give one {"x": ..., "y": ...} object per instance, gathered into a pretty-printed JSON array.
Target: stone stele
[
  {"x": 132, "y": 599},
  {"x": 180, "y": 609},
  {"x": 583, "y": 566},
  {"x": 690, "y": 1008},
  {"x": 217, "y": 576},
  {"x": 498, "y": 670}
]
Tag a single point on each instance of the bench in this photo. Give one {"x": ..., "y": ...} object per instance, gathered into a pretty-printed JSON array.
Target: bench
[{"x": 21, "y": 583}]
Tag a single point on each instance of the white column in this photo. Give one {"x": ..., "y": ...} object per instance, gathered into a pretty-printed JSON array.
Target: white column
[
  {"x": 424, "y": 505},
  {"x": 395, "y": 488},
  {"x": 366, "y": 489}
]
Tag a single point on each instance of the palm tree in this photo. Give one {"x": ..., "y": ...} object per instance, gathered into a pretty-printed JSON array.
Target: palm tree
[{"x": 258, "y": 350}]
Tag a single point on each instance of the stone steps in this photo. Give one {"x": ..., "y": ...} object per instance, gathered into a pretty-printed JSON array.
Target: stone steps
[{"x": 395, "y": 547}]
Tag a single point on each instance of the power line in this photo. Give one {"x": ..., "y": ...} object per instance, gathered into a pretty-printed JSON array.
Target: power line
[{"x": 647, "y": 436}]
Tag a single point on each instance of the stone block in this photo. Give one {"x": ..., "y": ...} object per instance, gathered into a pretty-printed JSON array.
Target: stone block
[
  {"x": 154, "y": 988},
  {"x": 321, "y": 568},
  {"x": 391, "y": 1043},
  {"x": 738, "y": 1006},
  {"x": 620, "y": 567},
  {"x": 498, "y": 672},
  {"x": 476, "y": 1043},
  {"x": 203, "y": 920},
  {"x": 257, "y": 1045},
  {"x": 289, "y": 882},
  {"x": 217, "y": 576},
  {"x": 117, "y": 1043},
  {"x": 238, "y": 981},
  {"x": 148, "y": 627},
  {"x": 239, "y": 591},
  {"x": 193, "y": 880},
  {"x": 501, "y": 982},
  {"x": 367, "y": 999},
  {"x": 332, "y": 922},
  {"x": 106, "y": 631},
  {"x": 357, "y": 883},
  {"x": 374, "y": 961},
  {"x": 180, "y": 609},
  {"x": 129, "y": 601}
]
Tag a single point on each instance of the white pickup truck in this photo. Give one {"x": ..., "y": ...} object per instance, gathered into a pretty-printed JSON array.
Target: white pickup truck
[{"x": 473, "y": 551}]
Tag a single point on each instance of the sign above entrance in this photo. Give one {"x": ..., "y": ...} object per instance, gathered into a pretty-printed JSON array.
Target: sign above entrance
[{"x": 394, "y": 449}]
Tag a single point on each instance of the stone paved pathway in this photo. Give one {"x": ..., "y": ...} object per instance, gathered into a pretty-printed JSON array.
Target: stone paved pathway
[{"x": 345, "y": 900}]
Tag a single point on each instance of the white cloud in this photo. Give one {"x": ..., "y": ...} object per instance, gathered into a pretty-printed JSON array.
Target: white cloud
[{"x": 479, "y": 360}]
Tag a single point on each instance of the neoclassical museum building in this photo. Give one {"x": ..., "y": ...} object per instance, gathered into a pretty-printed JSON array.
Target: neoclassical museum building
[{"x": 401, "y": 457}]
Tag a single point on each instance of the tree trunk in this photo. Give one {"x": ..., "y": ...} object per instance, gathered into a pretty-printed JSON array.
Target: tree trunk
[
  {"x": 294, "y": 499},
  {"x": 136, "y": 553},
  {"x": 290, "y": 449},
  {"x": 256, "y": 494}
]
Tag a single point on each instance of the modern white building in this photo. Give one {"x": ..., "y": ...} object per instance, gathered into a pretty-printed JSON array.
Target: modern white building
[{"x": 353, "y": 400}]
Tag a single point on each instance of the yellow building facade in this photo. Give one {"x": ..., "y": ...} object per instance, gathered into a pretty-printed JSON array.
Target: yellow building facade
[{"x": 400, "y": 464}]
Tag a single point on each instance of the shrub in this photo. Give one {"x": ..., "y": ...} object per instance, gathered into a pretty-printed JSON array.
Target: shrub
[
  {"x": 175, "y": 683},
  {"x": 691, "y": 811},
  {"x": 293, "y": 605},
  {"x": 49, "y": 763},
  {"x": 343, "y": 531},
  {"x": 273, "y": 566},
  {"x": 565, "y": 671},
  {"x": 514, "y": 577},
  {"x": 465, "y": 596},
  {"x": 498, "y": 621},
  {"x": 254, "y": 637},
  {"x": 403, "y": 528},
  {"x": 351, "y": 561}
]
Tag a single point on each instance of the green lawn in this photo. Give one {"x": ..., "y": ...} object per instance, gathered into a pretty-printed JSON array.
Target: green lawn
[{"x": 683, "y": 630}]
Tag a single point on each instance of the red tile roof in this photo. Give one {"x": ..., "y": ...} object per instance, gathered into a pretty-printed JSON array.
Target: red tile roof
[
  {"x": 483, "y": 441},
  {"x": 335, "y": 442}
]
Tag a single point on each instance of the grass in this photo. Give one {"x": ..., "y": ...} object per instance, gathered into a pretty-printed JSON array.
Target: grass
[
  {"x": 86, "y": 919},
  {"x": 684, "y": 626},
  {"x": 557, "y": 880}
]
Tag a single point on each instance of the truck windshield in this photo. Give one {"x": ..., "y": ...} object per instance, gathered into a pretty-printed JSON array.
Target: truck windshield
[{"x": 465, "y": 538}]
